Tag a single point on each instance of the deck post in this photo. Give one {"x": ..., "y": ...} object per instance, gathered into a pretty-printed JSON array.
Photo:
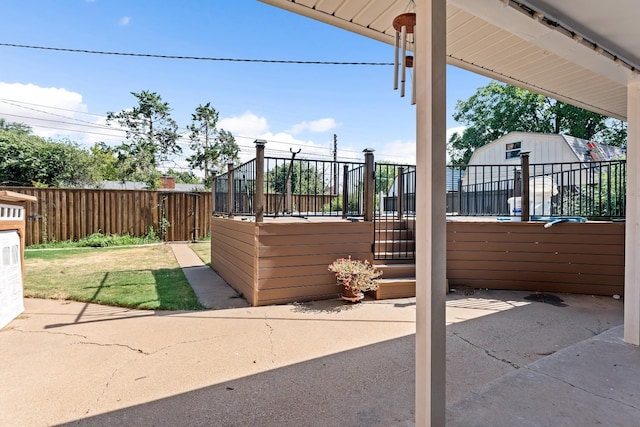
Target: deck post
[
  {"x": 258, "y": 196},
  {"x": 345, "y": 191},
  {"x": 214, "y": 181},
  {"x": 524, "y": 200},
  {"x": 400, "y": 196},
  {"x": 230, "y": 185},
  {"x": 632, "y": 230},
  {"x": 369, "y": 184}
]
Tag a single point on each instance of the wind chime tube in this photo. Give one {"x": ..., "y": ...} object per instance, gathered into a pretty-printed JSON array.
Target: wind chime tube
[
  {"x": 395, "y": 61},
  {"x": 413, "y": 77},
  {"x": 403, "y": 41}
]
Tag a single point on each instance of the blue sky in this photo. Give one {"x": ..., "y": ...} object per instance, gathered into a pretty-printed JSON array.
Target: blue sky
[{"x": 291, "y": 106}]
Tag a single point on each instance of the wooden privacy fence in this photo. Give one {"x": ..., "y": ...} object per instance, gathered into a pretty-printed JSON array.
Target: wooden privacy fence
[{"x": 70, "y": 214}]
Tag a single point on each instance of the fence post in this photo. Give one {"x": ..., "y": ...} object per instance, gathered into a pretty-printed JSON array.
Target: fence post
[
  {"x": 345, "y": 191},
  {"x": 231, "y": 190},
  {"x": 258, "y": 194},
  {"x": 369, "y": 183},
  {"x": 400, "y": 197},
  {"x": 524, "y": 200}
]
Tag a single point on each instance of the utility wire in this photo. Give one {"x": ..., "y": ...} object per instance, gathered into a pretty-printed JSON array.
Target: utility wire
[{"x": 195, "y": 58}]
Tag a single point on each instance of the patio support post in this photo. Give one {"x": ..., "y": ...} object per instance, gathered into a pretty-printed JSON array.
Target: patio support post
[
  {"x": 431, "y": 247},
  {"x": 231, "y": 190},
  {"x": 400, "y": 200},
  {"x": 632, "y": 252},
  {"x": 258, "y": 195},
  {"x": 345, "y": 191},
  {"x": 524, "y": 200},
  {"x": 369, "y": 184}
]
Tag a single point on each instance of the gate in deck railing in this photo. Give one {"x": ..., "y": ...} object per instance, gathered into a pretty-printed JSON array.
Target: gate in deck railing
[{"x": 395, "y": 206}]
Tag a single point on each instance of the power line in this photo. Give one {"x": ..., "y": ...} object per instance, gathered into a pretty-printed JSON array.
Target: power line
[
  {"x": 51, "y": 106},
  {"x": 195, "y": 58}
]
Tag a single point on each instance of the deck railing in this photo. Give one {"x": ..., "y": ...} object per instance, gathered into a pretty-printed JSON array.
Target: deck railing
[
  {"x": 292, "y": 187},
  {"x": 594, "y": 190},
  {"x": 385, "y": 193}
]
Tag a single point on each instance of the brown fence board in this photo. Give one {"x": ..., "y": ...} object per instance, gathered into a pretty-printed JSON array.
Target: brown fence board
[{"x": 71, "y": 214}]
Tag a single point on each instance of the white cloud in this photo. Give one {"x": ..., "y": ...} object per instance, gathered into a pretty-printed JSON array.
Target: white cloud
[
  {"x": 321, "y": 125},
  {"x": 124, "y": 21},
  {"x": 451, "y": 131},
  {"x": 398, "y": 152},
  {"x": 53, "y": 113},
  {"x": 246, "y": 124},
  {"x": 248, "y": 127},
  {"x": 405, "y": 151}
]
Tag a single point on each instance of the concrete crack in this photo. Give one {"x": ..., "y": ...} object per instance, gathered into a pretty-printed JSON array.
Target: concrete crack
[
  {"x": 137, "y": 350},
  {"x": 106, "y": 386},
  {"x": 51, "y": 333},
  {"x": 186, "y": 342},
  {"x": 269, "y": 335},
  {"x": 583, "y": 389},
  {"x": 487, "y": 352}
]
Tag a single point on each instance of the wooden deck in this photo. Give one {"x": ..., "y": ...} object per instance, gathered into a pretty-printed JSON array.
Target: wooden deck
[{"x": 285, "y": 259}]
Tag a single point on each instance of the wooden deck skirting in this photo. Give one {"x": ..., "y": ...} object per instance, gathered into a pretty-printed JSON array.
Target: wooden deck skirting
[
  {"x": 285, "y": 260},
  {"x": 567, "y": 257}
]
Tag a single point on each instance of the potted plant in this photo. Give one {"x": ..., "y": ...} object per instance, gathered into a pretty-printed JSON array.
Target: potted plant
[{"x": 355, "y": 276}]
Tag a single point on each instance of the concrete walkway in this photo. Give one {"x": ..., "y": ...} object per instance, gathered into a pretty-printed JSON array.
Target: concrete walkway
[
  {"x": 212, "y": 291},
  {"x": 513, "y": 359}
]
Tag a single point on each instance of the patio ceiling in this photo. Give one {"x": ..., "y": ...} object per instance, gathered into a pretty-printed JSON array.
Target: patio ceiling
[{"x": 582, "y": 52}]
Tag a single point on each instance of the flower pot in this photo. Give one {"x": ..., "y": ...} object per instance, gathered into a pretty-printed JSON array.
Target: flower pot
[{"x": 348, "y": 294}]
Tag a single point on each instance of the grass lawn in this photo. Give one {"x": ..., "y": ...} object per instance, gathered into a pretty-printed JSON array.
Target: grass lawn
[
  {"x": 203, "y": 250},
  {"x": 144, "y": 277}
]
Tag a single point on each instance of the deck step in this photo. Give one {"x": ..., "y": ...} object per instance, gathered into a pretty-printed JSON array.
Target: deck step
[
  {"x": 401, "y": 287},
  {"x": 395, "y": 246},
  {"x": 396, "y": 270}
]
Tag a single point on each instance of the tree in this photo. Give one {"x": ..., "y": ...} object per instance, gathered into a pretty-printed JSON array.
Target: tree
[
  {"x": 16, "y": 127},
  {"x": 183, "y": 177},
  {"x": 212, "y": 148},
  {"x": 104, "y": 159},
  {"x": 30, "y": 160},
  {"x": 305, "y": 178},
  {"x": 498, "y": 108},
  {"x": 152, "y": 138}
]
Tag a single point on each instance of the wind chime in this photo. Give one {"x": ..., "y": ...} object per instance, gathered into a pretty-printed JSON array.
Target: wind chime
[{"x": 405, "y": 26}]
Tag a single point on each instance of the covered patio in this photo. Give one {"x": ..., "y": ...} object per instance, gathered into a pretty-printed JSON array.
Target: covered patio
[{"x": 583, "y": 52}]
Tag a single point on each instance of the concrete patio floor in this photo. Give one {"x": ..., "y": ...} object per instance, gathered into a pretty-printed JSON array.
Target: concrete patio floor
[{"x": 513, "y": 358}]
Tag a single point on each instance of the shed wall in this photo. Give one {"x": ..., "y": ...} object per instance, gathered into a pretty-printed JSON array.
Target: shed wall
[{"x": 542, "y": 148}]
